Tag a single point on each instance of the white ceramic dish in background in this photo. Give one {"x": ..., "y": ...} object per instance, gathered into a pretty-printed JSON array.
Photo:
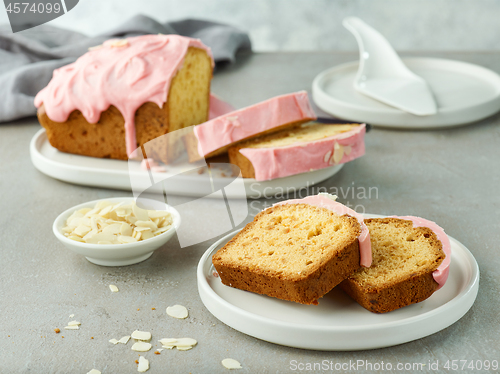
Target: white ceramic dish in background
[
  {"x": 117, "y": 254},
  {"x": 338, "y": 323},
  {"x": 107, "y": 173},
  {"x": 464, "y": 92}
]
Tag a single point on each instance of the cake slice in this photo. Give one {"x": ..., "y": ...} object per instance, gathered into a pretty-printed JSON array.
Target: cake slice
[
  {"x": 408, "y": 264},
  {"x": 214, "y": 137},
  {"x": 309, "y": 147},
  {"x": 297, "y": 250},
  {"x": 119, "y": 96}
]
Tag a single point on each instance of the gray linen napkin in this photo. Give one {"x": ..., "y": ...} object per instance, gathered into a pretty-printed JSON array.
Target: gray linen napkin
[{"x": 28, "y": 58}]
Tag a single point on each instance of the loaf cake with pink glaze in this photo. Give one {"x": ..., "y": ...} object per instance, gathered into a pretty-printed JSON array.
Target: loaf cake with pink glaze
[
  {"x": 214, "y": 137},
  {"x": 297, "y": 250},
  {"x": 311, "y": 146},
  {"x": 411, "y": 259},
  {"x": 121, "y": 95}
]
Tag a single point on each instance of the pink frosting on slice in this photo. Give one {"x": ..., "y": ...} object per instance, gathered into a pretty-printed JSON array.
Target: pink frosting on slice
[
  {"x": 218, "y": 107},
  {"x": 125, "y": 73},
  {"x": 240, "y": 124},
  {"x": 365, "y": 247},
  {"x": 440, "y": 275},
  {"x": 278, "y": 162}
]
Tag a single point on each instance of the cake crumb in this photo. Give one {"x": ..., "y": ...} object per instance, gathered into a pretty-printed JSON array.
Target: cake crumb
[
  {"x": 136, "y": 361},
  {"x": 57, "y": 331},
  {"x": 157, "y": 353},
  {"x": 91, "y": 337},
  {"x": 153, "y": 308},
  {"x": 138, "y": 309},
  {"x": 62, "y": 336}
]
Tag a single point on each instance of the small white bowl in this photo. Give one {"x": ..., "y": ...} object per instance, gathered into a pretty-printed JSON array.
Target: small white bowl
[{"x": 117, "y": 254}]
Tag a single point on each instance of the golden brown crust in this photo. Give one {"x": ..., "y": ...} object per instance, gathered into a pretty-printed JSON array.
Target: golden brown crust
[
  {"x": 301, "y": 284},
  {"x": 106, "y": 138},
  {"x": 406, "y": 286},
  {"x": 238, "y": 159},
  {"x": 413, "y": 290}
]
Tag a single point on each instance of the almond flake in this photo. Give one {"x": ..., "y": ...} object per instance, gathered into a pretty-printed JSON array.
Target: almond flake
[
  {"x": 82, "y": 230},
  {"x": 113, "y": 288},
  {"x": 126, "y": 229},
  {"x": 149, "y": 224},
  {"x": 74, "y": 323},
  {"x": 168, "y": 341},
  {"x": 141, "y": 335},
  {"x": 76, "y": 238},
  {"x": 139, "y": 213},
  {"x": 186, "y": 342},
  {"x": 229, "y": 363},
  {"x": 141, "y": 347},
  {"x": 114, "y": 228},
  {"x": 113, "y": 341},
  {"x": 177, "y": 311},
  {"x": 71, "y": 315},
  {"x": 124, "y": 340},
  {"x": 146, "y": 235},
  {"x": 327, "y": 156},
  {"x": 143, "y": 365},
  {"x": 94, "y": 371},
  {"x": 157, "y": 214},
  {"x": 138, "y": 229},
  {"x": 71, "y": 328},
  {"x": 338, "y": 153},
  {"x": 184, "y": 348}
]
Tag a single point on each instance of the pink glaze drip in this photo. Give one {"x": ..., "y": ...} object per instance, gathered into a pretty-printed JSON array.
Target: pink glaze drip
[
  {"x": 440, "y": 275},
  {"x": 126, "y": 76},
  {"x": 242, "y": 123},
  {"x": 218, "y": 107},
  {"x": 365, "y": 247},
  {"x": 278, "y": 162}
]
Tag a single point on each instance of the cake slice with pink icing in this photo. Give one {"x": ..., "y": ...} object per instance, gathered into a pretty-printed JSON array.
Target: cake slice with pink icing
[
  {"x": 311, "y": 147},
  {"x": 213, "y": 137},
  {"x": 440, "y": 275},
  {"x": 411, "y": 260},
  {"x": 327, "y": 201}
]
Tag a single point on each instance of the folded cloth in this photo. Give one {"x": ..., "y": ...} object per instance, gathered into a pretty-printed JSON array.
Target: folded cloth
[{"x": 28, "y": 58}]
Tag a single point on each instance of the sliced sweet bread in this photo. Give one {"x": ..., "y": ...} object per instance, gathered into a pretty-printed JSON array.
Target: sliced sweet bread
[
  {"x": 124, "y": 94},
  {"x": 295, "y": 252},
  {"x": 404, "y": 258},
  {"x": 214, "y": 137},
  {"x": 309, "y": 147}
]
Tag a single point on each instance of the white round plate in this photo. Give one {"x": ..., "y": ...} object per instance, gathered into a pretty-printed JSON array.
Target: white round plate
[
  {"x": 338, "y": 323},
  {"x": 107, "y": 173},
  {"x": 464, "y": 93}
]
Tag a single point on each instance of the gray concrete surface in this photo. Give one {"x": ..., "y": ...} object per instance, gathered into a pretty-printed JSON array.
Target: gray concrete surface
[{"x": 449, "y": 176}]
